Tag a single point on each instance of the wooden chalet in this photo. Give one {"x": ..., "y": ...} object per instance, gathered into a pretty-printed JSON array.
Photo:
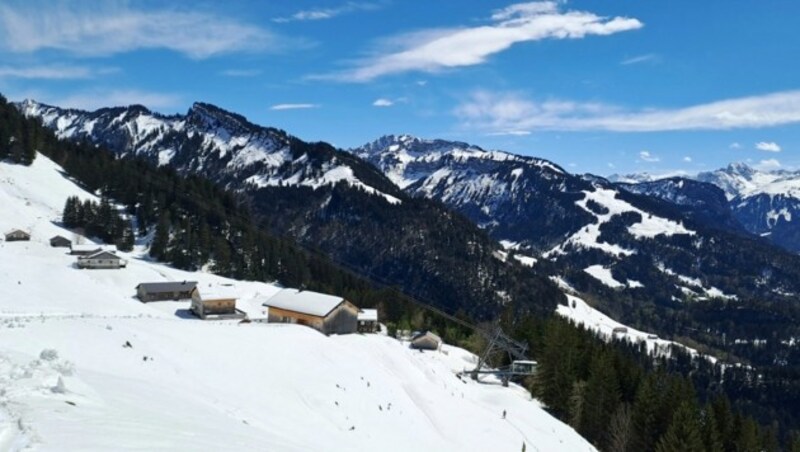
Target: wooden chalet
[
  {"x": 17, "y": 235},
  {"x": 425, "y": 341},
  {"x": 215, "y": 302},
  {"x": 60, "y": 242},
  {"x": 368, "y": 321},
  {"x": 327, "y": 314},
  {"x": 161, "y": 291},
  {"x": 101, "y": 260}
]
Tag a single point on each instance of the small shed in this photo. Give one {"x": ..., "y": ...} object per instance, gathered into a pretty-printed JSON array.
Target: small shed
[
  {"x": 101, "y": 260},
  {"x": 17, "y": 235},
  {"x": 161, "y": 291},
  {"x": 328, "y": 314},
  {"x": 60, "y": 242},
  {"x": 216, "y": 301},
  {"x": 368, "y": 321},
  {"x": 619, "y": 330},
  {"x": 426, "y": 341}
]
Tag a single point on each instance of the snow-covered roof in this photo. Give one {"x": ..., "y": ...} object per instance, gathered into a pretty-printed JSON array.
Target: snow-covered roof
[
  {"x": 304, "y": 302},
  {"x": 100, "y": 255},
  {"x": 368, "y": 315},
  {"x": 216, "y": 292},
  {"x": 88, "y": 247},
  {"x": 254, "y": 309},
  {"x": 168, "y": 286}
]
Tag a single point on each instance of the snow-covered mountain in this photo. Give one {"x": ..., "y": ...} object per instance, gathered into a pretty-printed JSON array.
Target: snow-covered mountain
[
  {"x": 69, "y": 380},
  {"x": 516, "y": 198},
  {"x": 208, "y": 141},
  {"x": 645, "y": 238},
  {"x": 765, "y": 203}
]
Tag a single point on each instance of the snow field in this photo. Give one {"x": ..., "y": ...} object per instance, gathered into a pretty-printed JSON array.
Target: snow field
[{"x": 85, "y": 366}]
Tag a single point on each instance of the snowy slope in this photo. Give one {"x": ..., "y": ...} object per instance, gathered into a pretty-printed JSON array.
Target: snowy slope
[
  {"x": 581, "y": 313},
  {"x": 68, "y": 383}
]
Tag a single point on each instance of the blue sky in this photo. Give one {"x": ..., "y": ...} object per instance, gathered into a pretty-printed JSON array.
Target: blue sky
[{"x": 597, "y": 86}]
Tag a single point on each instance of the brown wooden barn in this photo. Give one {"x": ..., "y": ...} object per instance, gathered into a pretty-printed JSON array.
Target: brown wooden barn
[
  {"x": 327, "y": 314},
  {"x": 217, "y": 302},
  {"x": 60, "y": 242},
  {"x": 17, "y": 235},
  {"x": 161, "y": 291}
]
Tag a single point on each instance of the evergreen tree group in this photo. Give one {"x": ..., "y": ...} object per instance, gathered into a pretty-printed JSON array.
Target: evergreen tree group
[{"x": 99, "y": 220}]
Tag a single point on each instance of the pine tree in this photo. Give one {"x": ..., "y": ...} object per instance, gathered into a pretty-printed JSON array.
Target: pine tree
[
  {"x": 620, "y": 429},
  {"x": 601, "y": 400},
  {"x": 712, "y": 438},
  {"x": 158, "y": 248},
  {"x": 127, "y": 239},
  {"x": 683, "y": 434},
  {"x": 748, "y": 438}
]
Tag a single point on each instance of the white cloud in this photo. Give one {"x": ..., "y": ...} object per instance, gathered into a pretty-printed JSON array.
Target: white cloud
[
  {"x": 327, "y": 13},
  {"x": 768, "y": 165},
  {"x": 687, "y": 159},
  {"x": 279, "y": 107},
  {"x": 735, "y": 145},
  {"x": 612, "y": 166},
  {"x": 241, "y": 72},
  {"x": 516, "y": 133},
  {"x": 92, "y": 100},
  {"x": 382, "y": 102},
  {"x": 434, "y": 50},
  {"x": 490, "y": 111},
  {"x": 97, "y": 29},
  {"x": 768, "y": 146},
  {"x": 646, "y": 156},
  {"x": 53, "y": 72},
  {"x": 647, "y": 58}
]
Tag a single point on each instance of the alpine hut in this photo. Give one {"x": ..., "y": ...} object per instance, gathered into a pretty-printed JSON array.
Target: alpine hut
[
  {"x": 368, "y": 321},
  {"x": 161, "y": 291},
  {"x": 101, "y": 260},
  {"x": 217, "y": 302},
  {"x": 60, "y": 242},
  {"x": 17, "y": 235},
  {"x": 328, "y": 314}
]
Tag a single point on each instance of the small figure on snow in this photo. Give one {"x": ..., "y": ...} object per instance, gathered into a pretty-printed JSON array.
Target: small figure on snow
[{"x": 504, "y": 414}]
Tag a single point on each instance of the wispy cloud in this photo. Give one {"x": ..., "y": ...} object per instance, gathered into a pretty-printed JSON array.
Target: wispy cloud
[
  {"x": 383, "y": 102},
  {"x": 687, "y": 159},
  {"x": 54, "y": 72},
  {"x": 97, "y": 29},
  {"x": 279, "y": 107},
  {"x": 241, "y": 72},
  {"x": 647, "y": 58},
  {"x": 491, "y": 111},
  {"x": 768, "y": 165},
  {"x": 100, "y": 98},
  {"x": 434, "y": 50},
  {"x": 513, "y": 133},
  {"x": 646, "y": 156},
  {"x": 768, "y": 146},
  {"x": 735, "y": 145},
  {"x": 328, "y": 13}
]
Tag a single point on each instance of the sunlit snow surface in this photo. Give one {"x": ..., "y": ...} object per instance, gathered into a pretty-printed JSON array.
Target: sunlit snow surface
[{"x": 67, "y": 382}]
